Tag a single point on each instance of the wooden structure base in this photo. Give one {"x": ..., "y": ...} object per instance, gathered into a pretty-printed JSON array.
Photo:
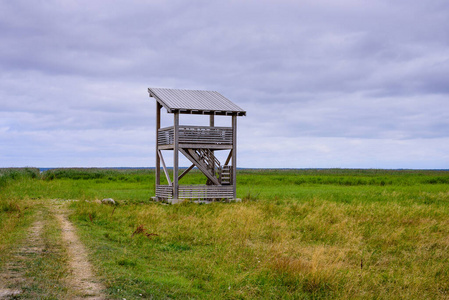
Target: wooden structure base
[
  {"x": 199, "y": 201},
  {"x": 196, "y": 192}
]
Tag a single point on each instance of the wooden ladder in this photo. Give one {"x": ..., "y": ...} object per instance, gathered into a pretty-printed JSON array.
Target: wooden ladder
[{"x": 225, "y": 175}]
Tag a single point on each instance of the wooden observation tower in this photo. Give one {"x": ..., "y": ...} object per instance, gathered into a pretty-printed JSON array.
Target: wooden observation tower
[{"x": 197, "y": 144}]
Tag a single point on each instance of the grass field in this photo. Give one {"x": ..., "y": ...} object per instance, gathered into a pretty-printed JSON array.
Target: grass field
[{"x": 296, "y": 234}]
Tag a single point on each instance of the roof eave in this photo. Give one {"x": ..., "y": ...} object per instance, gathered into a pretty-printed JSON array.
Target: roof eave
[
  {"x": 150, "y": 92},
  {"x": 209, "y": 112}
]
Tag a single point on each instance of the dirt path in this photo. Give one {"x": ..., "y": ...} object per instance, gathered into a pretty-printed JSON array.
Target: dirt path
[
  {"x": 82, "y": 278},
  {"x": 77, "y": 281}
]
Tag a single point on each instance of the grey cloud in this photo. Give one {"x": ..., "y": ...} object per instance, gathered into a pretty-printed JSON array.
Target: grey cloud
[
  {"x": 316, "y": 71},
  {"x": 314, "y": 47}
]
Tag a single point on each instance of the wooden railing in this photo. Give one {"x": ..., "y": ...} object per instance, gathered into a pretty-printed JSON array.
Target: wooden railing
[
  {"x": 196, "y": 135},
  {"x": 196, "y": 192}
]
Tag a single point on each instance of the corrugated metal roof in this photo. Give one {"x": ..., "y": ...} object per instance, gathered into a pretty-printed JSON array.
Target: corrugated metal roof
[{"x": 194, "y": 101}]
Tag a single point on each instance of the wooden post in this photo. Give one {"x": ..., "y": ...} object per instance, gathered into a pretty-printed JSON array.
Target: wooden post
[
  {"x": 175, "y": 157},
  {"x": 212, "y": 156},
  {"x": 234, "y": 154},
  {"x": 158, "y": 162}
]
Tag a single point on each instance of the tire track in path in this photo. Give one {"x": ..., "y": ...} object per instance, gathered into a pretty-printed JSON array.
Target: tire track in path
[
  {"x": 81, "y": 278},
  {"x": 12, "y": 277}
]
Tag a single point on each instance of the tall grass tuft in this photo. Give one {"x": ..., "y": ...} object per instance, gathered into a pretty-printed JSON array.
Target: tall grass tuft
[{"x": 10, "y": 174}]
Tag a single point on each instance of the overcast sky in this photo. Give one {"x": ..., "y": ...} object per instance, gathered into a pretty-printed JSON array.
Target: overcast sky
[{"x": 326, "y": 84}]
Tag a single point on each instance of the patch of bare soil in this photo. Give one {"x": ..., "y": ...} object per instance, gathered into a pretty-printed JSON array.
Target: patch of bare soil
[
  {"x": 81, "y": 279},
  {"x": 15, "y": 281},
  {"x": 12, "y": 276}
]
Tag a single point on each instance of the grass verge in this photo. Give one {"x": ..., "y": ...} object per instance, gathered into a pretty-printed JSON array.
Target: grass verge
[{"x": 16, "y": 212}]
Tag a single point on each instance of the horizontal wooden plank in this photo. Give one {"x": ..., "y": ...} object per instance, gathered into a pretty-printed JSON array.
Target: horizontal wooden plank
[
  {"x": 196, "y": 146},
  {"x": 196, "y": 192},
  {"x": 164, "y": 191},
  {"x": 195, "y": 127},
  {"x": 196, "y": 135}
]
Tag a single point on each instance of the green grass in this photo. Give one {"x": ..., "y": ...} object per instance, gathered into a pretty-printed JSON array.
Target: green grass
[
  {"x": 16, "y": 212},
  {"x": 297, "y": 234}
]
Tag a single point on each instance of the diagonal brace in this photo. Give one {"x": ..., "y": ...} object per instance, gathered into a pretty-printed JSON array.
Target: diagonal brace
[
  {"x": 165, "y": 168},
  {"x": 186, "y": 171},
  {"x": 193, "y": 157},
  {"x": 229, "y": 158}
]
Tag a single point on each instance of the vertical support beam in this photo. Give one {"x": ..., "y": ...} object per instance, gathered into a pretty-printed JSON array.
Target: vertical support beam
[
  {"x": 211, "y": 120},
  {"x": 212, "y": 124},
  {"x": 175, "y": 156},
  {"x": 234, "y": 154},
  {"x": 158, "y": 161}
]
